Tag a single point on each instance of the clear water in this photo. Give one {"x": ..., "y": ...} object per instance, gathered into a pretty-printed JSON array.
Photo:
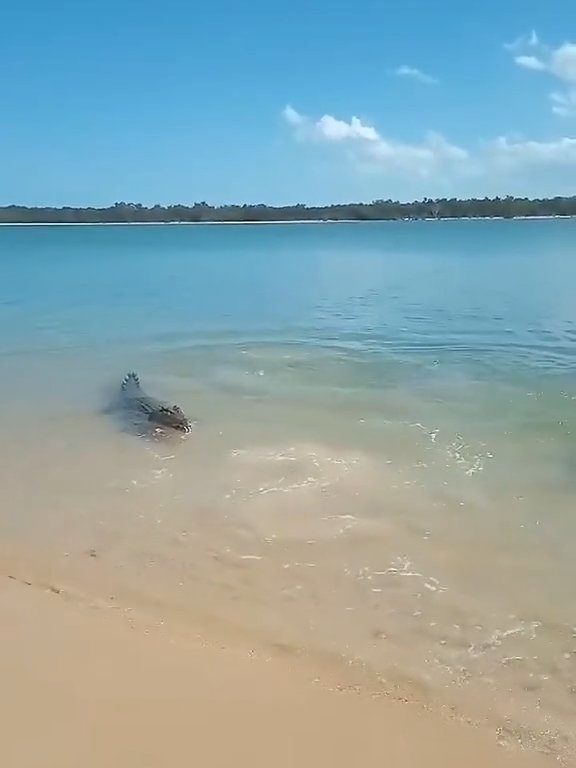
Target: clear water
[{"x": 383, "y": 468}]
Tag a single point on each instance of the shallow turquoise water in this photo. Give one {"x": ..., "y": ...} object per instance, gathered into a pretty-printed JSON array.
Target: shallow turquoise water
[
  {"x": 494, "y": 292},
  {"x": 385, "y": 409}
]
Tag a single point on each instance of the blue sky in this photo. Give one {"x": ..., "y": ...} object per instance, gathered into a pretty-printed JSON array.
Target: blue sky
[{"x": 281, "y": 103}]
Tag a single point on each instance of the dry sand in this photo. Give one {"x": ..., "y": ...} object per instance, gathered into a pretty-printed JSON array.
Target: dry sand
[{"x": 88, "y": 684}]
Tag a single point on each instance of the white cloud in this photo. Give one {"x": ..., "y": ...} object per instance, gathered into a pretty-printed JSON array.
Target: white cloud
[
  {"x": 415, "y": 74},
  {"x": 370, "y": 150},
  {"x": 525, "y": 154},
  {"x": 559, "y": 62},
  {"x": 434, "y": 157},
  {"x": 291, "y": 116},
  {"x": 530, "y": 62},
  {"x": 563, "y": 62},
  {"x": 331, "y": 129},
  {"x": 564, "y": 104},
  {"x": 524, "y": 41}
]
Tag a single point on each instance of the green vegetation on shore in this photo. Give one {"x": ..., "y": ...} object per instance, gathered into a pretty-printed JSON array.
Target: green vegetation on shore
[{"x": 505, "y": 207}]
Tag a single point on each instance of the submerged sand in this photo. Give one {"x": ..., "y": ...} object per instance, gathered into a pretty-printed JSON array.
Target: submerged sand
[{"x": 89, "y": 683}]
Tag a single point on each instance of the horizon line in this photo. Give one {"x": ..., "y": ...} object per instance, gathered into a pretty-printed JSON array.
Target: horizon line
[{"x": 306, "y": 206}]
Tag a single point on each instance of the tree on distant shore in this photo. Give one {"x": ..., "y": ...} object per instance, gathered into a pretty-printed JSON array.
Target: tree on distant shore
[{"x": 378, "y": 210}]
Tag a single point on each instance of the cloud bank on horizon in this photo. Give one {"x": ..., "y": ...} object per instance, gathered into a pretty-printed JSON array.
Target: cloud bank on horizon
[{"x": 368, "y": 149}]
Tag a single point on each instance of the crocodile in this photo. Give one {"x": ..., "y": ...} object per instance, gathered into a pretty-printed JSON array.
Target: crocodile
[{"x": 159, "y": 413}]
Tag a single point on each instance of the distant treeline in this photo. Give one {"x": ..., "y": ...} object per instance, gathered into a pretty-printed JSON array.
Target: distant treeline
[{"x": 505, "y": 207}]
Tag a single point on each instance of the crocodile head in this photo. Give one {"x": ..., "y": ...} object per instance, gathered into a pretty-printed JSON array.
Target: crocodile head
[{"x": 171, "y": 416}]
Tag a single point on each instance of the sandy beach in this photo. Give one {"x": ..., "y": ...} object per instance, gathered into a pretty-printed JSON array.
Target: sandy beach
[{"x": 90, "y": 683}]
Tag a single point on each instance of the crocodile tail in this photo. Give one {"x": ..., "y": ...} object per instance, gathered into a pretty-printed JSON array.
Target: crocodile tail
[{"x": 131, "y": 380}]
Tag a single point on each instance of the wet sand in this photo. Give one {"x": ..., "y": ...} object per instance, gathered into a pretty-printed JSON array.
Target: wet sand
[{"x": 89, "y": 683}]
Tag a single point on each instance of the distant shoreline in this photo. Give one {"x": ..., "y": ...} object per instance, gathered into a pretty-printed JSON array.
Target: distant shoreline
[
  {"x": 378, "y": 210},
  {"x": 272, "y": 222}
]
